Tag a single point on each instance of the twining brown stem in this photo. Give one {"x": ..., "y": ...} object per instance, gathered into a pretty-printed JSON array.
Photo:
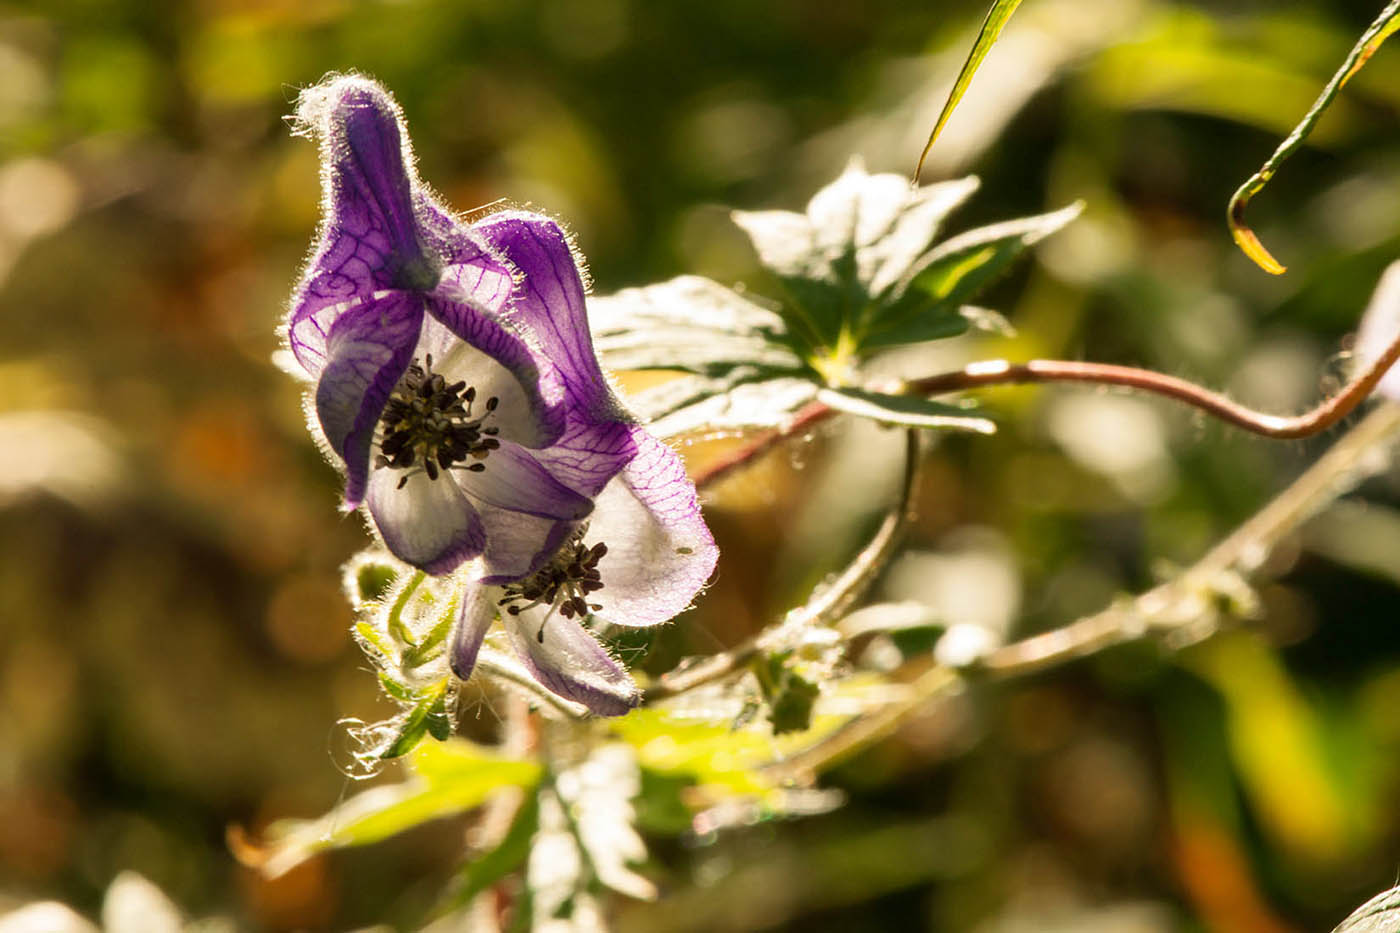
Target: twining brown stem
[
  {"x": 1000, "y": 372},
  {"x": 1188, "y": 608},
  {"x": 1196, "y": 596}
]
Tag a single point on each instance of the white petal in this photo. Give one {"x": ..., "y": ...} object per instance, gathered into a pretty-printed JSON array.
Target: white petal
[
  {"x": 518, "y": 544},
  {"x": 514, "y": 480},
  {"x": 428, "y": 523},
  {"x": 565, "y": 657},
  {"x": 660, "y": 552}
]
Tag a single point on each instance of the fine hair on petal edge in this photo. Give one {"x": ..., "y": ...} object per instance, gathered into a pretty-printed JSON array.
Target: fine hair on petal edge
[{"x": 311, "y": 119}]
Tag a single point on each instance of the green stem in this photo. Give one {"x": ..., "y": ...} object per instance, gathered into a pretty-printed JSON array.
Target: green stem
[{"x": 825, "y": 605}]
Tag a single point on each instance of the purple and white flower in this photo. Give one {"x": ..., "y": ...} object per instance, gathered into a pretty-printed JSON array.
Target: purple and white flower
[
  {"x": 457, "y": 383},
  {"x": 637, "y": 561},
  {"x": 432, "y": 401},
  {"x": 645, "y": 551}
]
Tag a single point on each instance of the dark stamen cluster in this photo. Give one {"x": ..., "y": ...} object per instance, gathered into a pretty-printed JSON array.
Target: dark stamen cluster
[
  {"x": 573, "y": 572},
  {"x": 428, "y": 423}
]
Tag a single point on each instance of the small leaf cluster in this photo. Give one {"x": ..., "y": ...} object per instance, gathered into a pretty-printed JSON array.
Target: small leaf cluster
[
  {"x": 862, "y": 270},
  {"x": 404, "y": 619}
]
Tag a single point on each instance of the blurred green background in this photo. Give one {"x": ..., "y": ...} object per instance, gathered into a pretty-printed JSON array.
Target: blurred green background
[{"x": 174, "y": 653}]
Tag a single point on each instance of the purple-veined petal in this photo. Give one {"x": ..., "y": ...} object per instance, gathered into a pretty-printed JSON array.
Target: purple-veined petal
[
  {"x": 588, "y": 455},
  {"x": 475, "y": 613},
  {"x": 660, "y": 552},
  {"x": 368, "y": 238},
  {"x": 564, "y": 657},
  {"x": 484, "y": 282},
  {"x": 515, "y": 481},
  {"x": 549, "y": 302},
  {"x": 473, "y": 272},
  {"x": 368, "y": 349},
  {"x": 427, "y": 523},
  {"x": 517, "y": 544},
  {"x": 482, "y": 350}
]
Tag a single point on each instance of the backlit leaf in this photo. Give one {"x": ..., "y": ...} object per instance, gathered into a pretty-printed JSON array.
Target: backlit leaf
[
  {"x": 1380, "y": 29},
  {"x": 929, "y": 302},
  {"x": 997, "y": 17},
  {"x": 448, "y": 778}
]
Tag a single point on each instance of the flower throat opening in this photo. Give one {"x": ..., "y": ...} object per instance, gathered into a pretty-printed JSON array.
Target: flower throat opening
[{"x": 428, "y": 426}]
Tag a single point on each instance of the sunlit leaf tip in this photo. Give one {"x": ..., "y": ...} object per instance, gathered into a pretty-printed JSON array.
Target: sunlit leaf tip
[
  {"x": 1384, "y": 25},
  {"x": 1248, "y": 241},
  {"x": 997, "y": 17}
]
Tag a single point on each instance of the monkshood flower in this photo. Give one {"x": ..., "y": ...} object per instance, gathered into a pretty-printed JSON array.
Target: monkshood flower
[
  {"x": 457, "y": 384},
  {"x": 434, "y": 404},
  {"x": 644, "y": 552}
]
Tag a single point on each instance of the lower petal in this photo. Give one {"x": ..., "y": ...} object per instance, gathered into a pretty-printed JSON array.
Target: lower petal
[
  {"x": 566, "y": 658},
  {"x": 514, "y": 480},
  {"x": 660, "y": 552},
  {"x": 425, "y": 522},
  {"x": 367, "y": 350},
  {"x": 475, "y": 614}
]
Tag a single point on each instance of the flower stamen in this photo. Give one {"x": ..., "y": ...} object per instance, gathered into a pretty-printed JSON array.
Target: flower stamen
[
  {"x": 563, "y": 583},
  {"x": 428, "y": 427}
]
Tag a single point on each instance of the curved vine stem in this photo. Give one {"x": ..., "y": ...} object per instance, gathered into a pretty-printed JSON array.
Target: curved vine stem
[
  {"x": 1197, "y": 599},
  {"x": 1188, "y": 608},
  {"x": 1001, "y": 372},
  {"x": 825, "y": 605}
]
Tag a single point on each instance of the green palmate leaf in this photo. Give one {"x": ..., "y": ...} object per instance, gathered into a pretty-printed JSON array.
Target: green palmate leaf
[
  {"x": 928, "y": 301},
  {"x": 987, "y": 36},
  {"x": 434, "y": 642},
  {"x": 493, "y": 865},
  {"x": 394, "y": 621},
  {"x": 689, "y": 323},
  {"x": 395, "y": 688},
  {"x": 670, "y": 397},
  {"x": 906, "y": 410},
  {"x": 449, "y": 778},
  {"x": 748, "y": 406},
  {"x": 857, "y": 239},
  {"x": 598, "y": 793},
  {"x": 685, "y": 301},
  {"x": 1380, "y": 29},
  {"x": 1381, "y": 914},
  {"x": 693, "y": 349}
]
